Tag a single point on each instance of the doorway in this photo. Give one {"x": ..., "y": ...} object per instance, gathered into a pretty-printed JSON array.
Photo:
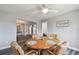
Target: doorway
[{"x": 25, "y": 29}]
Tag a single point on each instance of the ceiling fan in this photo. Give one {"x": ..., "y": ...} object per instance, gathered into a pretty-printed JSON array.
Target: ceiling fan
[{"x": 45, "y": 9}]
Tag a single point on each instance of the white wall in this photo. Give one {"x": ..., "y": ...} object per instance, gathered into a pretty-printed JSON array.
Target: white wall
[
  {"x": 7, "y": 30},
  {"x": 44, "y": 27},
  {"x": 71, "y": 33}
]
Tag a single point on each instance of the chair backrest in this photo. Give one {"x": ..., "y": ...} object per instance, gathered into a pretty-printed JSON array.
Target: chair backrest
[
  {"x": 16, "y": 48},
  {"x": 54, "y": 38},
  {"x": 62, "y": 48},
  {"x": 34, "y": 37},
  {"x": 45, "y": 38},
  {"x": 53, "y": 35}
]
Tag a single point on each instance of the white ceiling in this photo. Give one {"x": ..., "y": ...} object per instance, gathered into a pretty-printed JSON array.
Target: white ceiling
[{"x": 26, "y": 10}]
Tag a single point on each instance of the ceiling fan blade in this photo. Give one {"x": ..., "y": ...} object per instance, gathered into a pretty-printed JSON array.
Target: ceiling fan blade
[
  {"x": 36, "y": 11},
  {"x": 53, "y": 10}
]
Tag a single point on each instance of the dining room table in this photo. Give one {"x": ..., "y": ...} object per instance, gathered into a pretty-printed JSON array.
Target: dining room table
[{"x": 40, "y": 45}]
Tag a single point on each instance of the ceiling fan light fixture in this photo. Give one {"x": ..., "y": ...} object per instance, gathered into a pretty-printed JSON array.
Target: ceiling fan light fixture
[{"x": 45, "y": 10}]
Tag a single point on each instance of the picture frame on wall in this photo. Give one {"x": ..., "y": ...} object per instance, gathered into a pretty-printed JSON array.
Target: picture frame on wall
[{"x": 62, "y": 23}]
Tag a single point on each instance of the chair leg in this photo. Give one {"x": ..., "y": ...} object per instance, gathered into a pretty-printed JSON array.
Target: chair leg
[
  {"x": 30, "y": 52},
  {"x": 50, "y": 52},
  {"x": 39, "y": 52}
]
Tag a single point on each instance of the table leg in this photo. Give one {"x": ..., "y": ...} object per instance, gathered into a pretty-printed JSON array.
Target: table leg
[{"x": 39, "y": 51}]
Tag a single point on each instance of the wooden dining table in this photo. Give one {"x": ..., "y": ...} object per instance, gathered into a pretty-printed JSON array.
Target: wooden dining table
[{"x": 41, "y": 45}]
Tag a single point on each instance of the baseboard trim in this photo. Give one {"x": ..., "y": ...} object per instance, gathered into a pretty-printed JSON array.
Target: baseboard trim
[
  {"x": 4, "y": 47},
  {"x": 76, "y": 49}
]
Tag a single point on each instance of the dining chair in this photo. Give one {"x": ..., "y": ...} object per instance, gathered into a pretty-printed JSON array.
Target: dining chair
[
  {"x": 18, "y": 50},
  {"x": 59, "y": 49},
  {"x": 45, "y": 38},
  {"x": 34, "y": 37},
  {"x": 55, "y": 38},
  {"x": 64, "y": 45}
]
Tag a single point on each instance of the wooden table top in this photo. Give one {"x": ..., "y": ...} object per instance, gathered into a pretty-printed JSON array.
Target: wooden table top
[{"x": 41, "y": 44}]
